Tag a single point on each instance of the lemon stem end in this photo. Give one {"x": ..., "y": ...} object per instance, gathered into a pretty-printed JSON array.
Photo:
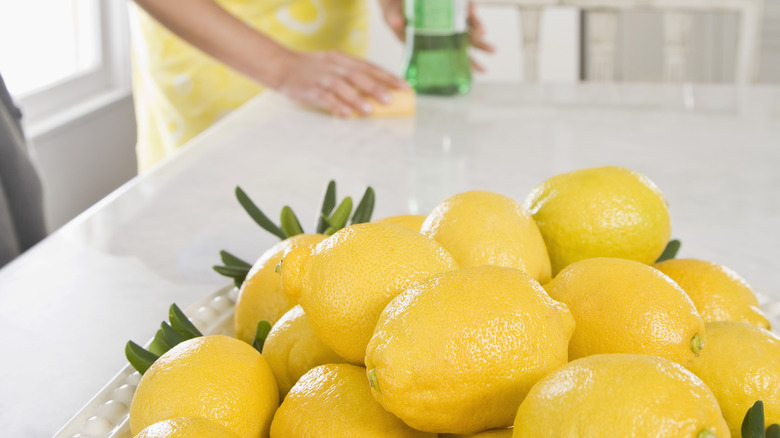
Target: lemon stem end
[
  {"x": 697, "y": 343},
  {"x": 706, "y": 433},
  {"x": 372, "y": 379}
]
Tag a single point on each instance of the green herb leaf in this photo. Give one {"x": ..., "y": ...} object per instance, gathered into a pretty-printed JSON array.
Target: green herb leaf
[
  {"x": 263, "y": 328},
  {"x": 327, "y": 207},
  {"x": 230, "y": 260},
  {"x": 365, "y": 207},
  {"x": 172, "y": 337},
  {"x": 325, "y": 220},
  {"x": 340, "y": 217},
  {"x": 139, "y": 358},
  {"x": 670, "y": 251},
  {"x": 168, "y": 336},
  {"x": 232, "y": 271},
  {"x": 181, "y": 323},
  {"x": 159, "y": 344},
  {"x": 290, "y": 223},
  {"x": 257, "y": 215},
  {"x": 753, "y": 424},
  {"x": 237, "y": 273},
  {"x": 773, "y": 431}
]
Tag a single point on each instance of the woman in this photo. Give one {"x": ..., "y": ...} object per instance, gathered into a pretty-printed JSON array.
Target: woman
[{"x": 195, "y": 60}]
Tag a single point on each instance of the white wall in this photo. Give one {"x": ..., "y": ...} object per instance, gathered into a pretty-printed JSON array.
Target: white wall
[{"x": 86, "y": 158}]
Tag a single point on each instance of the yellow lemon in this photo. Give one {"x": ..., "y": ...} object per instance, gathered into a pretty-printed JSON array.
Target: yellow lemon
[
  {"x": 457, "y": 352},
  {"x": 623, "y": 306},
  {"x": 292, "y": 348},
  {"x": 485, "y": 228},
  {"x": 620, "y": 395},
  {"x": 494, "y": 433},
  {"x": 600, "y": 212},
  {"x": 215, "y": 377},
  {"x": 719, "y": 293},
  {"x": 345, "y": 281},
  {"x": 334, "y": 400},
  {"x": 741, "y": 365},
  {"x": 411, "y": 221},
  {"x": 260, "y": 296},
  {"x": 186, "y": 427}
]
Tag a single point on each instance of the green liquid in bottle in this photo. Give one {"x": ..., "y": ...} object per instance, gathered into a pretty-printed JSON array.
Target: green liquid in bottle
[
  {"x": 439, "y": 64},
  {"x": 437, "y": 60}
]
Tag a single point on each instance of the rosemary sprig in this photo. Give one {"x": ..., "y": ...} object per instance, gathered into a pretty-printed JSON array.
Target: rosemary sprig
[
  {"x": 233, "y": 267},
  {"x": 753, "y": 426},
  {"x": 670, "y": 251},
  {"x": 139, "y": 358},
  {"x": 290, "y": 223},
  {"x": 257, "y": 215},
  {"x": 230, "y": 260},
  {"x": 328, "y": 204},
  {"x": 168, "y": 336},
  {"x": 365, "y": 207},
  {"x": 263, "y": 329},
  {"x": 331, "y": 220},
  {"x": 340, "y": 217}
]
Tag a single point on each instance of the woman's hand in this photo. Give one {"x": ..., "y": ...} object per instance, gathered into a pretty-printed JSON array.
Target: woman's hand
[
  {"x": 336, "y": 82},
  {"x": 393, "y": 12}
]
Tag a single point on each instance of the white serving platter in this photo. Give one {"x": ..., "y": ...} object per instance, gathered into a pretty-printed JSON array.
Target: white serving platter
[{"x": 105, "y": 416}]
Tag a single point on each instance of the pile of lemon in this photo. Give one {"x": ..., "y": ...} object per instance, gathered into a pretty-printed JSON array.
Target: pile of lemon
[{"x": 485, "y": 318}]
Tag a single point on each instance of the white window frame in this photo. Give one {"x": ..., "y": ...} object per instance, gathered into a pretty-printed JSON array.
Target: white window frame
[{"x": 50, "y": 107}]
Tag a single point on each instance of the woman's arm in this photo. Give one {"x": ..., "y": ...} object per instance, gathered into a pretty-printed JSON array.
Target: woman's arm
[{"x": 330, "y": 80}]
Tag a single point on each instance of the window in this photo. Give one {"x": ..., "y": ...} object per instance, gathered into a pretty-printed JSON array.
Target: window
[
  {"x": 60, "y": 43},
  {"x": 55, "y": 54}
]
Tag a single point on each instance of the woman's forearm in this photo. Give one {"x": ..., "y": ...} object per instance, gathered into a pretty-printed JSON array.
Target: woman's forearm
[
  {"x": 212, "y": 29},
  {"x": 330, "y": 80}
]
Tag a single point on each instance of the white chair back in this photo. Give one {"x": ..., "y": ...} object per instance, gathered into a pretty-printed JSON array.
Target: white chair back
[{"x": 601, "y": 19}]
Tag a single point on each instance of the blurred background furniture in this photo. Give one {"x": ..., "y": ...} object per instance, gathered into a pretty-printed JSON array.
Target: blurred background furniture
[{"x": 600, "y": 30}]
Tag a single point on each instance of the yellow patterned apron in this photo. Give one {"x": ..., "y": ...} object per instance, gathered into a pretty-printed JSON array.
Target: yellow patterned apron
[{"x": 179, "y": 91}]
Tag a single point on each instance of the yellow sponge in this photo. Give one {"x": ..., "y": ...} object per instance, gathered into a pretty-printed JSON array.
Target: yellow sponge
[{"x": 402, "y": 104}]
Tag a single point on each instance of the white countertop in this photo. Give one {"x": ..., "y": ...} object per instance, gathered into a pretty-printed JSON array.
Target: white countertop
[{"x": 68, "y": 305}]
